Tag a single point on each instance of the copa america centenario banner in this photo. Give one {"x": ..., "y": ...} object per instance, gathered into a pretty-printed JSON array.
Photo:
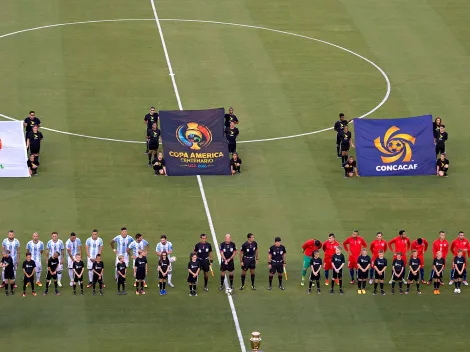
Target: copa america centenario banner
[
  {"x": 395, "y": 147},
  {"x": 194, "y": 142},
  {"x": 13, "y": 156}
]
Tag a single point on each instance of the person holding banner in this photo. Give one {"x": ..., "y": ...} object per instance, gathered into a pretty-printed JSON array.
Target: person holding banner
[
  {"x": 231, "y": 133},
  {"x": 30, "y": 122},
  {"x": 436, "y": 124},
  {"x": 235, "y": 164},
  {"x": 149, "y": 119},
  {"x": 33, "y": 165},
  {"x": 338, "y": 127},
  {"x": 345, "y": 142},
  {"x": 440, "y": 138},
  {"x": 153, "y": 142},
  {"x": 230, "y": 117},
  {"x": 159, "y": 165},
  {"x": 33, "y": 141},
  {"x": 442, "y": 165},
  {"x": 350, "y": 168}
]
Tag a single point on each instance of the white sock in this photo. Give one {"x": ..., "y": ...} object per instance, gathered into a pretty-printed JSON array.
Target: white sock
[
  {"x": 169, "y": 277},
  {"x": 71, "y": 274},
  {"x": 59, "y": 276},
  {"x": 3, "y": 275},
  {"x": 90, "y": 275},
  {"x": 38, "y": 276}
]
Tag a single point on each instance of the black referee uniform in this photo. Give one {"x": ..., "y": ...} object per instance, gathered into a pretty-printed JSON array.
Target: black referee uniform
[
  {"x": 203, "y": 251},
  {"x": 276, "y": 260},
  {"x": 227, "y": 252},
  {"x": 249, "y": 256}
]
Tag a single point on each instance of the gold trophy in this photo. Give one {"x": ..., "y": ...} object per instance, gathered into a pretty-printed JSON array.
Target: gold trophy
[{"x": 255, "y": 341}]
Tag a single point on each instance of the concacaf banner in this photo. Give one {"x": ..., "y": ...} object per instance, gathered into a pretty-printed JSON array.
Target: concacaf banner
[
  {"x": 194, "y": 142},
  {"x": 13, "y": 156},
  {"x": 395, "y": 147}
]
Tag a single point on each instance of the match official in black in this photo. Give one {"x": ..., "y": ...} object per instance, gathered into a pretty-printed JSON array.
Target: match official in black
[
  {"x": 235, "y": 164},
  {"x": 440, "y": 138},
  {"x": 338, "y": 127},
  {"x": 149, "y": 119},
  {"x": 442, "y": 165},
  {"x": 153, "y": 142},
  {"x": 230, "y": 117},
  {"x": 228, "y": 250},
  {"x": 30, "y": 122},
  {"x": 276, "y": 262},
  {"x": 249, "y": 259},
  {"x": 203, "y": 249},
  {"x": 345, "y": 142},
  {"x": 231, "y": 133}
]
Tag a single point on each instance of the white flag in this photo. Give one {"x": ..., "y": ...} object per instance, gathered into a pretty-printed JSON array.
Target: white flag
[{"x": 13, "y": 155}]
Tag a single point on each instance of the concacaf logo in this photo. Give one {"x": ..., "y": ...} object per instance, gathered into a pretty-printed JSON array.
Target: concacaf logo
[
  {"x": 193, "y": 135},
  {"x": 395, "y": 146}
]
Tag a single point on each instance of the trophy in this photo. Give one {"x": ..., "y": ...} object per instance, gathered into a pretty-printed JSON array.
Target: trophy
[{"x": 255, "y": 341}]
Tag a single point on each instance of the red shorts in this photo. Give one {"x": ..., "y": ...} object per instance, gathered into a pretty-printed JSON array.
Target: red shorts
[
  {"x": 352, "y": 261},
  {"x": 327, "y": 264}
]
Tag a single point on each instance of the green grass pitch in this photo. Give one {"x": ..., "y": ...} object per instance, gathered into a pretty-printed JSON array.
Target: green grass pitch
[{"x": 99, "y": 79}]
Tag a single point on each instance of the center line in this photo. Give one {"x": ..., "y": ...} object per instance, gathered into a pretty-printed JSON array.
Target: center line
[{"x": 199, "y": 180}]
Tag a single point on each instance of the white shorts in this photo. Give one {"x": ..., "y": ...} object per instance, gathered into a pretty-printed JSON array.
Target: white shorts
[
  {"x": 89, "y": 263},
  {"x": 38, "y": 266},
  {"x": 70, "y": 263},
  {"x": 126, "y": 259}
]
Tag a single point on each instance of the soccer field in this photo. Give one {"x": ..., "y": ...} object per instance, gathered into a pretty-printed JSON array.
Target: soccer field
[{"x": 91, "y": 69}]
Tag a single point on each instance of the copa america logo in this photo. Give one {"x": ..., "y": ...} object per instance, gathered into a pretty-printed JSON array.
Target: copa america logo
[{"x": 193, "y": 135}]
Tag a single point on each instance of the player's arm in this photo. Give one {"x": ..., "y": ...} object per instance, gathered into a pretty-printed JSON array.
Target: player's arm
[
  {"x": 80, "y": 250},
  {"x": 146, "y": 268},
  {"x": 135, "y": 268},
  {"x": 345, "y": 245},
  {"x": 158, "y": 250},
  {"x": 336, "y": 126},
  {"x": 319, "y": 268},
  {"x": 170, "y": 249},
  {"x": 93, "y": 268},
  {"x": 210, "y": 254},
  {"x": 352, "y": 143},
  {"x": 383, "y": 270},
  {"x": 390, "y": 244},
  {"x": 241, "y": 256},
  {"x": 87, "y": 250},
  {"x": 408, "y": 244},
  {"x": 81, "y": 272},
  {"x": 62, "y": 252},
  {"x": 426, "y": 245},
  {"x": 111, "y": 244},
  {"x": 233, "y": 255},
  {"x": 438, "y": 272},
  {"x": 452, "y": 248},
  {"x": 69, "y": 251},
  {"x": 342, "y": 265},
  {"x": 269, "y": 259},
  {"x": 256, "y": 255},
  {"x": 284, "y": 258},
  {"x": 197, "y": 272},
  {"x": 355, "y": 171}
]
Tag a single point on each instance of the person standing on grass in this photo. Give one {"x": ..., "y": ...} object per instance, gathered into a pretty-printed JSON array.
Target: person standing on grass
[
  {"x": 329, "y": 248},
  {"x": 380, "y": 265},
  {"x": 149, "y": 119},
  {"x": 98, "y": 272},
  {"x": 413, "y": 274},
  {"x": 459, "y": 269},
  {"x": 249, "y": 259},
  {"x": 121, "y": 269},
  {"x": 36, "y": 248},
  {"x": 33, "y": 141},
  {"x": 354, "y": 245},
  {"x": 315, "y": 268},
  {"x": 153, "y": 142},
  {"x": 203, "y": 250},
  {"x": 193, "y": 272},
  {"x": 28, "y": 270},
  {"x": 235, "y": 164},
  {"x": 308, "y": 248},
  {"x": 338, "y": 262},
  {"x": 402, "y": 244},
  {"x": 73, "y": 246},
  {"x": 377, "y": 245},
  {"x": 231, "y": 133},
  {"x": 276, "y": 262},
  {"x": 138, "y": 245},
  {"x": 123, "y": 241},
  {"x": 230, "y": 117},
  {"x": 338, "y": 127},
  {"x": 436, "y": 124},
  {"x": 166, "y": 246},
  {"x": 53, "y": 265},
  {"x": 78, "y": 270},
  {"x": 438, "y": 266},
  {"x": 440, "y": 139},
  {"x": 163, "y": 269},
  {"x": 228, "y": 250},
  {"x": 398, "y": 273},
  {"x": 460, "y": 243},
  {"x": 159, "y": 165},
  {"x": 56, "y": 245},
  {"x": 345, "y": 143},
  {"x": 31, "y": 121},
  {"x": 363, "y": 266},
  {"x": 440, "y": 245},
  {"x": 93, "y": 247},
  {"x": 12, "y": 245},
  {"x": 350, "y": 168},
  {"x": 8, "y": 271},
  {"x": 442, "y": 166},
  {"x": 421, "y": 245},
  {"x": 140, "y": 271}
]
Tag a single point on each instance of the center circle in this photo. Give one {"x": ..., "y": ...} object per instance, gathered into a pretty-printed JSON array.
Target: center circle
[{"x": 382, "y": 102}]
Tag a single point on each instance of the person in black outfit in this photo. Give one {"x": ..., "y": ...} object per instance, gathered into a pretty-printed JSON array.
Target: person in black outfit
[
  {"x": 194, "y": 267},
  {"x": 98, "y": 272},
  {"x": 442, "y": 165},
  {"x": 276, "y": 262},
  {"x": 149, "y": 119},
  {"x": 235, "y": 164},
  {"x": 230, "y": 117},
  {"x": 249, "y": 259},
  {"x": 153, "y": 142},
  {"x": 121, "y": 269},
  {"x": 438, "y": 265},
  {"x": 380, "y": 265},
  {"x": 33, "y": 141},
  {"x": 9, "y": 271},
  {"x": 363, "y": 267},
  {"x": 33, "y": 165},
  {"x": 140, "y": 271},
  {"x": 31, "y": 121},
  {"x": 436, "y": 124},
  {"x": 52, "y": 266},
  {"x": 231, "y": 133},
  {"x": 398, "y": 271},
  {"x": 228, "y": 250},
  {"x": 203, "y": 251},
  {"x": 163, "y": 268},
  {"x": 459, "y": 270},
  {"x": 159, "y": 165},
  {"x": 350, "y": 168},
  {"x": 28, "y": 270},
  {"x": 413, "y": 274},
  {"x": 440, "y": 138},
  {"x": 315, "y": 266},
  {"x": 78, "y": 269},
  {"x": 338, "y": 127},
  {"x": 345, "y": 142},
  {"x": 338, "y": 262}
]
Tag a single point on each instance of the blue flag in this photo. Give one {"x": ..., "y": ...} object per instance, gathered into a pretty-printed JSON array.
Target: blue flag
[
  {"x": 194, "y": 142},
  {"x": 395, "y": 147}
]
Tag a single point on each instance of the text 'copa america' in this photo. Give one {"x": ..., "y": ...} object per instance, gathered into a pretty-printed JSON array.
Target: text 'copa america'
[{"x": 206, "y": 158}]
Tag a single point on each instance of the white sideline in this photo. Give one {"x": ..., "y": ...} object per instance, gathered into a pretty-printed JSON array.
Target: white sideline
[{"x": 199, "y": 180}]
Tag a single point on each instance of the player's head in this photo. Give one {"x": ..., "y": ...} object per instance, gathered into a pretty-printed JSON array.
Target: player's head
[
  {"x": 138, "y": 238},
  {"x": 11, "y": 235},
  {"x": 32, "y": 115},
  {"x": 77, "y": 257},
  {"x": 438, "y": 121},
  {"x": 56, "y": 255},
  {"x": 442, "y": 235},
  {"x": 54, "y": 236},
  {"x": 235, "y": 156},
  {"x": 35, "y": 128},
  {"x": 152, "y": 110},
  {"x": 316, "y": 254},
  {"x": 442, "y": 128},
  {"x": 317, "y": 243},
  {"x": 381, "y": 253},
  {"x": 73, "y": 236},
  {"x": 355, "y": 233},
  {"x": 163, "y": 239},
  {"x": 414, "y": 253},
  {"x": 35, "y": 237},
  {"x": 338, "y": 250},
  {"x": 399, "y": 255},
  {"x": 124, "y": 231},
  {"x": 341, "y": 116},
  {"x": 154, "y": 126},
  {"x": 121, "y": 259},
  {"x": 419, "y": 241},
  {"x": 350, "y": 159},
  {"x": 94, "y": 234},
  {"x": 461, "y": 235},
  {"x": 232, "y": 124},
  {"x": 203, "y": 238},
  {"x": 402, "y": 233},
  {"x": 160, "y": 155},
  {"x": 228, "y": 238},
  {"x": 277, "y": 241},
  {"x": 32, "y": 157},
  {"x": 98, "y": 258},
  {"x": 459, "y": 253},
  {"x": 443, "y": 156},
  {"x": 345, "y": 129},
  {"x": 28, "y": 256},
  {"x": 331, "y": 237},
  {"x": 193, "y": 257},
  {"x": 250, "y": 237},
  {"x": 379, "y": 236},
  {"x": 364, "y": 251},
  {"x": 230, "y": 110},
  {"x": 439, "y": 254}
]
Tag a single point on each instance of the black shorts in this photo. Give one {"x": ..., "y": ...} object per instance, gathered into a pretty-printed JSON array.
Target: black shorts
[
  {"x": 378, "y": 276},
  {"x": 9, "y": 275},
  {"x": 276, "y": 267},
  {"x": 161, "y": 276},
  {"x": 440, "y": 148},
  {"x": 227, "y": 267},
  {"x": 338, "y": 275},
  {"x": 437, "y": 276},
  {"x": 249, "y": 263},
  {"x": 153, "y": 146},
  {"x": 140, "y": 275},
  {"x": 121, "y": 280},
  {"x": 28, "y": 279},
  {"x": 338, "y": 140},
  {"x": 50, "y": 277},
  {"x": 157, "y": 168},
  {"x": 315, "y": 277},
  {"x": 456, "y": 275},
  {"x": 34, "y": 149},
  {"x": 192, "y": 279},
  {"x": 96, "y": 278},
  {"x": 397, "y": 278},
  {"x": 412, "y": 277},
  {"x": 232, "y": 147},
  {"x": 344, "y": 147},
  {"x": 362, "y": 275},
  {"x": 205, "y": 264}
]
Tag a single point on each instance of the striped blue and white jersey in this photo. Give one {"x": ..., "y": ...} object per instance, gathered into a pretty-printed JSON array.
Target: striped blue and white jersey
[
  {"x": 73, "y": 246},
  {"x": 35, "y": 249},
  {"x": 135, "y": 247},
  {"x": 164, "y": 247},
  {"x": 122, "y": 244},
  {"x": 94, "y": 246},
  {"x": 12, "y": 246},
  {"x": 55, "y": 247}
]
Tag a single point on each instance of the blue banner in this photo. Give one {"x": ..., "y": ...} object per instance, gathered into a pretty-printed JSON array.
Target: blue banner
[
  {"x": 395, "y": 147},
  {"x": 194, "y": 142}
]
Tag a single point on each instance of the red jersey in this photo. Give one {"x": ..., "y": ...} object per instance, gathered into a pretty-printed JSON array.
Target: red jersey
[
  {"x": 376, "y": 246},
  {"x": 354, "y": 245},
  {"x": 330, "y": 248},
  {"x": 309, "y": 247},
  {"x": 421, "y": 248},
  {"x": 442, "y": 246},
  {"x": 460, "y": 244},
  {"x": 401, "y": 245}
]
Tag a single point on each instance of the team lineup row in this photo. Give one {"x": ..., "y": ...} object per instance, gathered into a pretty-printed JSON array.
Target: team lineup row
[{"x": 354, "y": 245}]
